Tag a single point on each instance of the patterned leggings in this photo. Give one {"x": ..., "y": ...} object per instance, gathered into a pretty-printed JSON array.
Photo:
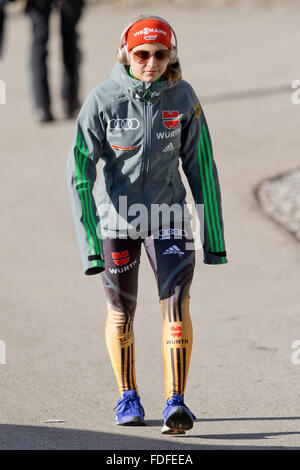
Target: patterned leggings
[{"x": 173, "y": 266}]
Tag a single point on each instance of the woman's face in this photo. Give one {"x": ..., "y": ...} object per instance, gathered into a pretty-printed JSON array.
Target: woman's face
[{"x": 151, "y": 69}]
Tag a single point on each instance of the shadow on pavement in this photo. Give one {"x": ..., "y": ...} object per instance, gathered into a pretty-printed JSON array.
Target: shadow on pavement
[
  {"x": 18, "y": 437},
  {"x": 157, "y": 422},
  {"x": 254, "y": 436}
]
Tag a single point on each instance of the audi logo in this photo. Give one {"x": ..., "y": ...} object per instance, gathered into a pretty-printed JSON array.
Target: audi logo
[{"x": 125, "y": 124}]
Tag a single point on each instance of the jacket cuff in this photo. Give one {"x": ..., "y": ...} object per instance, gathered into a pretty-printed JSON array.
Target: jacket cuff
[
  {"x": 214, "y": 258},
  {"x": 95, "y": 265}
]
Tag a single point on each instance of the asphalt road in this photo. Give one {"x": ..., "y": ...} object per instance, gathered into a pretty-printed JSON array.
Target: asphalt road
[{"x": 243, "y": 385}]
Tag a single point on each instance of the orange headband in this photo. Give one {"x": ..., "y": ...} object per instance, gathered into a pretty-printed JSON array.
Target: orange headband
[{"x": 149, "y": 31}]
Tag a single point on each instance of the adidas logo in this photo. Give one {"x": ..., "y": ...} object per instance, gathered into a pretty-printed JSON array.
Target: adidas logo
[
  {"x": 173, "y": 250},
  {"x": 169, "y": 147}
]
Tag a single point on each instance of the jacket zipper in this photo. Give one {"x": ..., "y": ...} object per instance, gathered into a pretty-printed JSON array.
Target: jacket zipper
[
  {"x": 146, "y": 156},
  {"x": 172, "y": 186}
]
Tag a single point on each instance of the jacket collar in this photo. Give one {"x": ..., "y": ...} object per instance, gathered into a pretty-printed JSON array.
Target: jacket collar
[{"x": 137, "y": 89}]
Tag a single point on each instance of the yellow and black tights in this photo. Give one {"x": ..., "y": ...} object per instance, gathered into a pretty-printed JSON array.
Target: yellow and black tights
[{"x": 173, "y": 266}]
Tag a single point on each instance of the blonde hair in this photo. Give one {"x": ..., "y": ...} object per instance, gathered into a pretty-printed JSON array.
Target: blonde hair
[{"x": 173, "y": 72}]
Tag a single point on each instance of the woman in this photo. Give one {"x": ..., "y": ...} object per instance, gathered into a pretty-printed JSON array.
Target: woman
[{"x": 139, "y": 122}]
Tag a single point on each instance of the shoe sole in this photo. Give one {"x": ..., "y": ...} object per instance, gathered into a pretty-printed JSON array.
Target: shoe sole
[
  {"x": 172, "y": 431},
  {"x": 136, "y": 421},
  {"x": 180, "y": 420}
]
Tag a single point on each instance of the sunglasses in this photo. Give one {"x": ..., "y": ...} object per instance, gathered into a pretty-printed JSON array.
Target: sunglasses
[{"x": 141, "y": 56}]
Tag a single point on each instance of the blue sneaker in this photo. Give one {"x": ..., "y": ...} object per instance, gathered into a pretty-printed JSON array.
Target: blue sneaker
[
  {"x": 129, "y": 410},
  {"x": 177, "y": 417}
]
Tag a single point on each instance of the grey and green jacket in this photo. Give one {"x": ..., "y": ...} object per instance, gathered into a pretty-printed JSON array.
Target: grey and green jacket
[{"x": 141, "y": 131}]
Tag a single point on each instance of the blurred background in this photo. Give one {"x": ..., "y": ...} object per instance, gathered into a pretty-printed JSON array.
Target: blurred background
[{"x": 242, "y": 58}]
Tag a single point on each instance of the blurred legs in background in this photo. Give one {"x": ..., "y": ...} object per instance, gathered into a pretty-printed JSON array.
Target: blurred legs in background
[
  {"x": 70, "y": 13},
  {"x": 39, "y": 12}
]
